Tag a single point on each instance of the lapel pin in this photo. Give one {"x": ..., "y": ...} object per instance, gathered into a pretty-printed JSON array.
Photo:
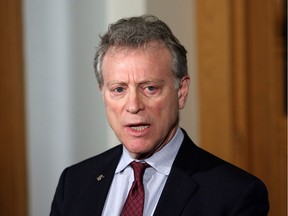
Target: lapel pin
[{"x": 100, "y": 177}]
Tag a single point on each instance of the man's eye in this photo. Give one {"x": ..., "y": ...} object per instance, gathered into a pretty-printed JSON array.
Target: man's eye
[
  {"x": 151, "y": 88},
  {"x": 119, "y": 90}
]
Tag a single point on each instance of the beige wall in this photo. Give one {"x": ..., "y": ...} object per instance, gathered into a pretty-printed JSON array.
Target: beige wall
[{"x": 180, "y": 16}]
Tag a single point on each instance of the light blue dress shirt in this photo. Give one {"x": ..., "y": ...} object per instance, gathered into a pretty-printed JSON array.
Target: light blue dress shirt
[{"x": 154, "y": 178}]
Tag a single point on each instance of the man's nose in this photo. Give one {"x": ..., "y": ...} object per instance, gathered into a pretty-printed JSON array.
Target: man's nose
[{"x": 134, "y": 103}]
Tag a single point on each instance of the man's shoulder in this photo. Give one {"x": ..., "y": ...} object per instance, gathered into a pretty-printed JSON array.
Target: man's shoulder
[
  {"x": 206, "y": 167},
  {"x": 111, "y": 156},
  {"x": 226, "y": 186}
]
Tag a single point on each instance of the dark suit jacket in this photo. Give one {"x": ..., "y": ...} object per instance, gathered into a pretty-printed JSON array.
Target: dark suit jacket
[{"x": 199, "y": 184}]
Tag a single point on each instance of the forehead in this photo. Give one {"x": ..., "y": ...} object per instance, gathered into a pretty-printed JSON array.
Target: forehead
[
  {"x": 150, "y": 62},
  {"x": 154, "y": 53},
  {"x": 152, "y": 48}
]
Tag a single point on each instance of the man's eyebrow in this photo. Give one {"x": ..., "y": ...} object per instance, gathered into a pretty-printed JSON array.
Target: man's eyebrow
[
  {"x": 158, "y": 81},
  {"x": 113, "y": 82}
]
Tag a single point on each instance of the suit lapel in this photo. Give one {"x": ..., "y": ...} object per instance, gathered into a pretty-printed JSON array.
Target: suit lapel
[
  {"x": 99, "y": 190},
  {"x": 180, "y": 185},
  {"x": 177, "y": 191},
  {"x": 94, "y": 198}
]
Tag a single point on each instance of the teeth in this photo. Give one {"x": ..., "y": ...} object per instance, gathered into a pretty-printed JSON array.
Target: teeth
[{"x": 140, "y": 128}]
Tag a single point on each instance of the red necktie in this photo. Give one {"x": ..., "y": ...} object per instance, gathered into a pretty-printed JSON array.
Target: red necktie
[{"x": 135, "y": 201}]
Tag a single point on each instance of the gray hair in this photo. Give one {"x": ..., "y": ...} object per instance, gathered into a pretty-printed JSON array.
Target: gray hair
[{"x": 136, "y": 32}]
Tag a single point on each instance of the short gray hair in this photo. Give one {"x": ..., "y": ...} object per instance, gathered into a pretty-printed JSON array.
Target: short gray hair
[{"x": 136, "y": 32}]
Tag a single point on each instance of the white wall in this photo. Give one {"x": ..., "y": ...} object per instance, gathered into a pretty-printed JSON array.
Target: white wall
[
  {"x": 66, "y": 121},
  {"x": 65, "y": 115}
]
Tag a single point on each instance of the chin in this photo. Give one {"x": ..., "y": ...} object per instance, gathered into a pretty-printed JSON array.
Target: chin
[{"x": 140, "y": 153}]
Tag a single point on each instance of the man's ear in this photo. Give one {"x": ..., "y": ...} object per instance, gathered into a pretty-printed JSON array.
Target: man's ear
[{"x": 183, "y": 91}]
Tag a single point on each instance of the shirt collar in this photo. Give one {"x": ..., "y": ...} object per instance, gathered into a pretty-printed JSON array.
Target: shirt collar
[{"x": 161, "y": 161}]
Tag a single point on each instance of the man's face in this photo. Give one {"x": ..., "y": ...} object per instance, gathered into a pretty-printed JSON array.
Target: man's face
[{"x": 141, "y": 99}]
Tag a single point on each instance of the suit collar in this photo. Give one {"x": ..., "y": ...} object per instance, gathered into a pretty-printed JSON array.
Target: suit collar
[
  {"x": 180, "y": 185},
  {"x": 96, "y": 196}
]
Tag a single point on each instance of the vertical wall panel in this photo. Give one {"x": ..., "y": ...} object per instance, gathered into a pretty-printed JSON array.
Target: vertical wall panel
[
  {"x": 214, "y": 72},
  {"x": 240, "y": 145},
  {"x": 268, "y": 121},
  {"x": 13, "y": 191},
  {"x": 242, "y": 44}
]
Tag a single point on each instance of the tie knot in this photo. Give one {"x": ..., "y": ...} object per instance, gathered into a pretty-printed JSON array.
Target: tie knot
[{"x": 138, "y": 169}]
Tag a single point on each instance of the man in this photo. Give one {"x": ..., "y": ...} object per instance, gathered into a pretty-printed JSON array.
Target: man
[{"x": 142, "y": 73}]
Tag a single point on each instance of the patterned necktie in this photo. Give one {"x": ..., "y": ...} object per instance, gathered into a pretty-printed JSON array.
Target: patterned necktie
[{"x": 135, "y": 201}]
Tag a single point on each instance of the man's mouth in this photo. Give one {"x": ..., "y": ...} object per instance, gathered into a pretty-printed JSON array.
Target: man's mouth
[{"x": 139, "y": 128}]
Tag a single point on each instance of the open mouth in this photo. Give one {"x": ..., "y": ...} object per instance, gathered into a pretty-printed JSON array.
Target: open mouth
[{"x": 139, "y": 128}]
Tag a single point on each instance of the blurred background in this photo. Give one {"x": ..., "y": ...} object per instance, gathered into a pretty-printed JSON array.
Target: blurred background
[{"x": 52, "y": 115}]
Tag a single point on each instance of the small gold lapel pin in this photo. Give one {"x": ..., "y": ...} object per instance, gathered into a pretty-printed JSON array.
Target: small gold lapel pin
[{"x": 100, "y": 177}]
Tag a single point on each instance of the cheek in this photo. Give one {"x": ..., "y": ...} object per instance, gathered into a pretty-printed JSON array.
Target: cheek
[
  {"x": 111, "y": 109},
  {"x": 165, "y": 108}
]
